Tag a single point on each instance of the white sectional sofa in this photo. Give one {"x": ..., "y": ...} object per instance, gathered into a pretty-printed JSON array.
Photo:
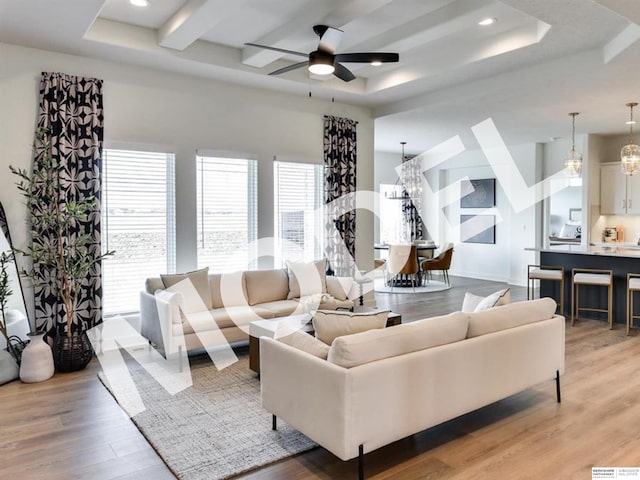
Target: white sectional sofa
[
  {"x": 229, "y": 302},
  {"x": 382, "y": 385}
]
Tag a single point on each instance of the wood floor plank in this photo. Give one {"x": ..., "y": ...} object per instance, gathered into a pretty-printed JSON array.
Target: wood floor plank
[{"x": 71, "y": 427}]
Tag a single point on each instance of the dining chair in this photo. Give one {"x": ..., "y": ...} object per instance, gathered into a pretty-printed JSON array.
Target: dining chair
[
  {"x": 402, "y": 261},
  {"x": 442, "y": 262}
]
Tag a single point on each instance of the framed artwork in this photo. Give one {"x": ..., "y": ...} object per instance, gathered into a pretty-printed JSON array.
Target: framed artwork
[
  {"x": 575, "y": 214},
  {"x": 478, "y": 228},
  {"x": 479, "y": 193}
]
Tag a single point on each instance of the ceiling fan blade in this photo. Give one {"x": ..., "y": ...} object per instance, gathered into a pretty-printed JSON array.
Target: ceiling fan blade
[
  {"x": 330, "y": 38},
  {"x": 289, "y": 68},
  {"x": 276, "y": 49},
  {"x": 368, "y": 57},
  {"x": 343, "y": 73}
]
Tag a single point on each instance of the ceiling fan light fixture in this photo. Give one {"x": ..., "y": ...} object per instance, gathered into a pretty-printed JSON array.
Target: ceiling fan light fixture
[
  {"x": 321, "y": 63},
  {"x": 376, "y": 63}
]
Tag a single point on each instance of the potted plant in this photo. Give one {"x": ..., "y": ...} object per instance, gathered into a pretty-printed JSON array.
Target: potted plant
[{"x": 64, "y": 260}]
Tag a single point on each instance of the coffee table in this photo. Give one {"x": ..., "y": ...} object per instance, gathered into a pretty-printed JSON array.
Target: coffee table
[{"x": 285, "y": 326}]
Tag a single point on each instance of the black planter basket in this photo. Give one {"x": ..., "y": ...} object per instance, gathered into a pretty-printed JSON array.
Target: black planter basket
[{"x": 71, "y": 353}]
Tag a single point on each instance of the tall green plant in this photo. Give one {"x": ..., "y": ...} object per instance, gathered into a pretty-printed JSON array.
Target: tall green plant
[{"x": 61, "y": 257}]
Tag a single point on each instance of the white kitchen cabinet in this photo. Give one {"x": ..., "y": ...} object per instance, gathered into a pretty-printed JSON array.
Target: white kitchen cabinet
[{"x": 619, "y": 193}]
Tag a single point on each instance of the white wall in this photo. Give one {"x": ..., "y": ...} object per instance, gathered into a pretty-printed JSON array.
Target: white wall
[
  {"x": 146, "y": 108},
  {"x": 504, "y": 261}
]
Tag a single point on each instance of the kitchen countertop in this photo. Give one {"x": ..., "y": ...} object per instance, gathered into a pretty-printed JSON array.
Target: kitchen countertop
[{"x": 609, "y": 249}]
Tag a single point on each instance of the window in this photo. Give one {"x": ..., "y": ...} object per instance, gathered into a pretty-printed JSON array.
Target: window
[
  {"x": 138, "y": 223},
  {"x": 391, "y": 225},
  {"x": 227, "y": 213},
  {"x": 299, "y": 232}
]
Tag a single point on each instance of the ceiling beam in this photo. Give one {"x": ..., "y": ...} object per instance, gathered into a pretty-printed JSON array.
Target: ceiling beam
[
  {"x": 621, "y": 42},
  {"x": 194, "y": 19}
]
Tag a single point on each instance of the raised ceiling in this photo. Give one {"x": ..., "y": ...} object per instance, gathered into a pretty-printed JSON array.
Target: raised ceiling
[{"x": 539, "y": 61}]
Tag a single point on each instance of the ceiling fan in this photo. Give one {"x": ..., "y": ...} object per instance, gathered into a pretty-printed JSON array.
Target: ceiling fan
[{"x": 324, "y": 60}]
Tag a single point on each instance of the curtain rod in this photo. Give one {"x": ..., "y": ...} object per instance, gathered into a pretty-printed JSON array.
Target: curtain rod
[{"x": 329, "y": 116}]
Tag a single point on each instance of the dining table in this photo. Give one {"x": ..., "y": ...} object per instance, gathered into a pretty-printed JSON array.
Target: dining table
[
  {"x": 423, "y": 250},
  {"x": 426, "y": 248}
]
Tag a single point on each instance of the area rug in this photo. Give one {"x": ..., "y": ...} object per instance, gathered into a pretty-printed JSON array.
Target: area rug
[
  {"x": 432, "y": 286},
  {"x": 216, "y": 428}
]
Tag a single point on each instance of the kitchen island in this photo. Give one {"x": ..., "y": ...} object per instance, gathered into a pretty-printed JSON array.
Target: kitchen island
[{"x": 620, "y": 258}]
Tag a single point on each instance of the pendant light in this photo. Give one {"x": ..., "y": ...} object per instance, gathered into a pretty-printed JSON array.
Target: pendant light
[
  {"x": 573, "y": 163},
  {"x": 404, "y": 195},
  {"x": 630, "y": 154}
]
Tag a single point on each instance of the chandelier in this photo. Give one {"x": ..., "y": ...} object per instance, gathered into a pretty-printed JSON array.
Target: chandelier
[
  {"x": 573, "y": 163},
  {"x": 630, "y": 154},
  {"x": 404, "y": 194}
]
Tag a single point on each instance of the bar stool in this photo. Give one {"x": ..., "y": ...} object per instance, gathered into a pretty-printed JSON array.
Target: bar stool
[
  {"x": 594, "y": 277},
  {"x": 545, "y": 272},
  {"x": 633, "y": 285}
]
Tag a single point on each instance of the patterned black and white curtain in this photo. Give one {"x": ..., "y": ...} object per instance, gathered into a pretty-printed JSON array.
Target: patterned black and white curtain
[
  {"x": 340, "y": 181},
  {"x": 70, "y": 112},
  {"x": 411, "y": 179}
]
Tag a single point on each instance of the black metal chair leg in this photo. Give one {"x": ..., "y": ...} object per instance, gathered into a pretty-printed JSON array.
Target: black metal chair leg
[
  {"x": 558, "y": 398},
  {"x": 274, "y": 422},
  {"x": 361, "y": 462}
]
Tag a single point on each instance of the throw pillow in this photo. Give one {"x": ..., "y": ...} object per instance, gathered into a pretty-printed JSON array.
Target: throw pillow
[
  {"x": 307, "y": 343},
  {"x": 306, "y": 278},
  {"x": 193, "y": 297},
  {"x": 331, "y": 324},
  {"x": 476, "y": 303},
  {"x": 339, "y": 287},
  {"x": 509, "y": 316}
]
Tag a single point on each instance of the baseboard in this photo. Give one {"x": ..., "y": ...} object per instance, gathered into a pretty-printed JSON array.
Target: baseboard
[{"x": 479, "y": 276}]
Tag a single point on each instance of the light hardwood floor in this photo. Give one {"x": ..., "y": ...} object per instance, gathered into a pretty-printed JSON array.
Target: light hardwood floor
[{"x": 70, "y": 427}]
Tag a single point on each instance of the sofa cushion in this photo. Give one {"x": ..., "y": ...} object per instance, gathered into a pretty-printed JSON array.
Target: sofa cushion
[
  {"x": 228, "y": 289},
  {"x": 352, "y": 350},
  {"x": 339, "y": 287},
  {"x": 281, "y": 308},
  {"x": 329, "y": 324},
  {"x": 307, "y": 343},
  {"x": 476, "y": 303},
  {"x": 224, "y": 318},
  {"x": 306, "y": 278},
  {"x": 266, "y": 285},
  {"x": 509, "y": 316},
  {"x": 199, "y": 280}
]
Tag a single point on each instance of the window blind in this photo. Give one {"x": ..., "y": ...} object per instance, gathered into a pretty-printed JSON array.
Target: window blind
[
  {"x": 227, "y": 213},
  {"x": 138, "y": 223},
  {"x": 298, "y": 192}
]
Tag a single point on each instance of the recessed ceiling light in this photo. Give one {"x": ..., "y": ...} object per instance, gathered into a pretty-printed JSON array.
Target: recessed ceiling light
[
  {"x": 630, "y": 122},
  {"x": 485, "y": 22},
  {"x": 376, "y": 63},
  {"x": 139, "y": 3}
]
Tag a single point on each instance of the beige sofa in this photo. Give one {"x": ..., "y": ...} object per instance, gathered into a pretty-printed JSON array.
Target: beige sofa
[
  {"x": 181, "y": 322},
  {"x": 379, "y": 386}
]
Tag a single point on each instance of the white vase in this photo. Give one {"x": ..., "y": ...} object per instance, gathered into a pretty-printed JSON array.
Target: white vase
[{"x": 37, "y": 360}]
